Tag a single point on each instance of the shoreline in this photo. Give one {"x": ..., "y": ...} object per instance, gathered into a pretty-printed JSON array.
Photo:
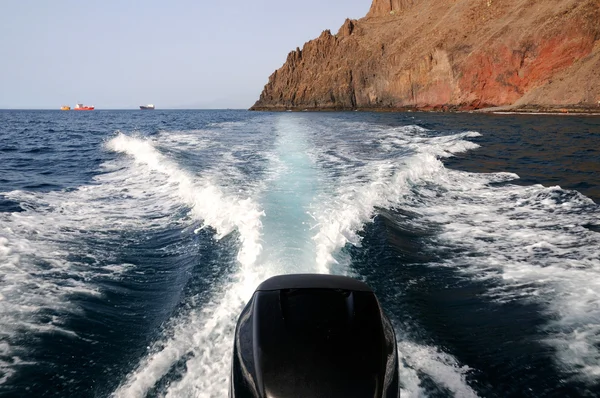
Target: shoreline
[{"x": 500, "y": 110}]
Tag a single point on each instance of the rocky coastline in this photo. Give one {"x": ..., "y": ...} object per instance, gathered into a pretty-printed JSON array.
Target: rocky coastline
[{"x": 449, "y": 56}]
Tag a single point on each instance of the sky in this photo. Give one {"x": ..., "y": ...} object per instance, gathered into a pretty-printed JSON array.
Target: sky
[{"x": 186, "y": 54}]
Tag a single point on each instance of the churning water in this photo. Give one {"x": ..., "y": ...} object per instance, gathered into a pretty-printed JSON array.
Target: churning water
[{"x": 130, "y": 241}]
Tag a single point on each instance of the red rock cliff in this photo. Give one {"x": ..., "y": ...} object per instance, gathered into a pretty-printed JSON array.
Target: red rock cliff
[{"x": 448, "y": 54}]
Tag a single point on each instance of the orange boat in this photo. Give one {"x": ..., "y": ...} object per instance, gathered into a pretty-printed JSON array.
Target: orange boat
[{"x": 81, "y": 107}]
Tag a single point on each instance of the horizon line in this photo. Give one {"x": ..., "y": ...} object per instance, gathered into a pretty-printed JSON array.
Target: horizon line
[{"x": 128, "y": 109}]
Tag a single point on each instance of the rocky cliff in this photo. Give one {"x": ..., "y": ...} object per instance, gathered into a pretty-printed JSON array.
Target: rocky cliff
[{"x": 448, "y": 55}]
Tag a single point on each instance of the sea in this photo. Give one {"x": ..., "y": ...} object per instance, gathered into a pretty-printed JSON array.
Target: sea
[{"x": 131, "y": 240}]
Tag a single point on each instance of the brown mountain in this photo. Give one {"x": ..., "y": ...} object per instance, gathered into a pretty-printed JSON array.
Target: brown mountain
[{"x": 449, "y": 55}]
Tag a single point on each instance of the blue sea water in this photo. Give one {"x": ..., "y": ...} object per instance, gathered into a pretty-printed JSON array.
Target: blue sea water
[{"x": 130, "y": 241}]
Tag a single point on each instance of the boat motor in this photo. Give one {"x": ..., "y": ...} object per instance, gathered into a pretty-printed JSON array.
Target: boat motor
[{"x": 311, "y": 335}]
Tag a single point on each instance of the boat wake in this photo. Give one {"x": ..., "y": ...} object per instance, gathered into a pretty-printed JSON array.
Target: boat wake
[
  {"x": 303, "y": 217},
  {"x": 293, "y": 194},
  {"x": 533, "y": 242}
]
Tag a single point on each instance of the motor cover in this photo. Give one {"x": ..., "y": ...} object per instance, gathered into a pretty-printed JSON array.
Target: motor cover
[{"x": 310, "y": 335}]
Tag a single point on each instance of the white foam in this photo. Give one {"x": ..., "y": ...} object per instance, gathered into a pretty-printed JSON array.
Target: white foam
[
  {"x": 531, "y": 238},
  {"x": 524, "y": 236},
  {"x": 36, "y": 276},
  {"x": 442, "y": 368},
  {"x": 200, "y": 337},
  {"x": 207, "y": 201},
  {"x": 361, "y": 183},
  {"x": 148, "y": 189},
  {"x": 40, "y": 247},
  {"x": 379, "y": 183},
  {"x": 533, "y": 241},
  {"x": 37, "y": 246}
]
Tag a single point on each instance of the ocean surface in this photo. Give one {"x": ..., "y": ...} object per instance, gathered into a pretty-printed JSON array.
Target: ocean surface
[{"x": 130, "y": 241}]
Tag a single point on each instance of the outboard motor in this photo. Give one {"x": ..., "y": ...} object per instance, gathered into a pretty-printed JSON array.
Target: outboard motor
[{"x": 314, "y": 336}]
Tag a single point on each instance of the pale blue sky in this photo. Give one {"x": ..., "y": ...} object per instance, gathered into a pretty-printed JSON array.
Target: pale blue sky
[{"x": 177, "y": 54}]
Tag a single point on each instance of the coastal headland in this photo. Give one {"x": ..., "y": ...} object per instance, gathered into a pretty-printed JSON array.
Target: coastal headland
[{"x": 449, "y": 55}]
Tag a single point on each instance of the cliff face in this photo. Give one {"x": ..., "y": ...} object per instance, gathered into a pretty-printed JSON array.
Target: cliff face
[
  {"x": 384, "y": 7},
  {"x": 448, "y": 54}
]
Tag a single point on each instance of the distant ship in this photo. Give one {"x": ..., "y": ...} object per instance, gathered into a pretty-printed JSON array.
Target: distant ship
[
  {"x": 65, "y": 108},
  {"x": 147, "y": 107},
  {"x": 81, "y": 107}
]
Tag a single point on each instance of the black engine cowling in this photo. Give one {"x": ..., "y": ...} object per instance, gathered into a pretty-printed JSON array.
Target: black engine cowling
[{"x": 314, "y": 336}]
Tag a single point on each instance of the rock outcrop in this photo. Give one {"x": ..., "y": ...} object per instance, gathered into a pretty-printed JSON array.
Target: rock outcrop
[{"x": 448, "y": 55}]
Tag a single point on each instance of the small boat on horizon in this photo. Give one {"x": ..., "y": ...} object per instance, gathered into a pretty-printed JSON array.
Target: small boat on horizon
[
  {"x": 81, "y": 107},
  {"x": 65, "y": 108},
  {"x": 147, "y": 107}
]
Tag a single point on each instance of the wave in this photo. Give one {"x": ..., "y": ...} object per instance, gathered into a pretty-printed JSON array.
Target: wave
[
  {"x": 47, "y": 257},
  {"x": 62, "y": 245},
  {"x": 200, "y": 337},
  {"x": 363, "y": 180},
  {"x": 207, "y": 202},
  {"x": 197, "y": 344},
  {"x": 377, "y": 183},
  {"x": 312, "y": 191},
  {"x": 441, "y": 367},
  {"x": 534, "y": 242}
]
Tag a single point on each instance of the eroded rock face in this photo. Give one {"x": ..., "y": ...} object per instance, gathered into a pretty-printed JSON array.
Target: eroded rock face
[
  {"x": 384, "y": 7},
  {"x": 448, "y": 54}
]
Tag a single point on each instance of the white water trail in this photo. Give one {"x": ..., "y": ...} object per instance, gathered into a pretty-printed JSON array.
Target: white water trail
[
  {"x": 47, "y": 256},
  {"x": 208, "y": 203},
  {"x": 202, "y": 338},
  {"x": 534, "y": 243},
  {"x": 287, "y": 248},
  {"x": 200, "y": 334},
  {"x": 439, "y": 366},
  {"x": 384, "y": 184},
  {"x": 282, "y": 240}
]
